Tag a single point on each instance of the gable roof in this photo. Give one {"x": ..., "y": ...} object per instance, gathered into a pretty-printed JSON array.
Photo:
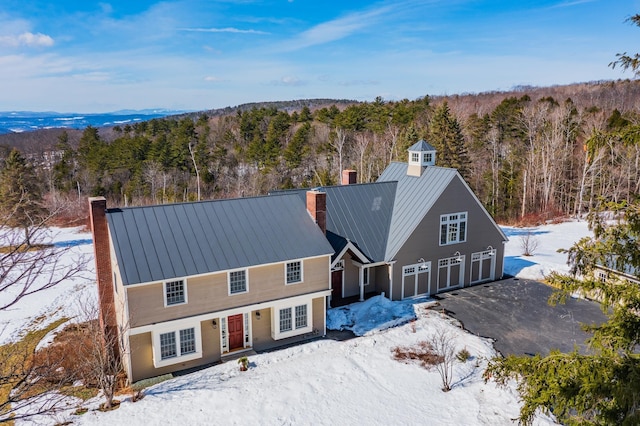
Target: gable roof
[
  {"x": 414, "y": 198},
  {"x": 421, "y": 145},
  {"x": 161, "y": 242},
  {"x": 358, "y": 213}
]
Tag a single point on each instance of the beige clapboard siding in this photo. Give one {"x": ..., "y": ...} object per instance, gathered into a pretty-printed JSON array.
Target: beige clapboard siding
[
  {"x": 142, "y": 353},
  {"x": 210, "y": 293}
]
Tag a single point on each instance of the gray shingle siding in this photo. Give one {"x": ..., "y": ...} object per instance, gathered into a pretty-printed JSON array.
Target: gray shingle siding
[{"x": 156, "y": 243}]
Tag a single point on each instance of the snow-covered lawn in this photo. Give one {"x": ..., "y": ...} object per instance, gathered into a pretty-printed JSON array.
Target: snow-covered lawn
[
  {"x": 56, "y": 302},
  {"x": 325, "y": 381},
  {"x": 356, "y": 382}
]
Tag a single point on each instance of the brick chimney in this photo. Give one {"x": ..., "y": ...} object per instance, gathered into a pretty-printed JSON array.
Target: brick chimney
[
  {"x": 349, "y": 177},
  {"x": 317, "y": 206},
  {"x": 104, "y": 275}
]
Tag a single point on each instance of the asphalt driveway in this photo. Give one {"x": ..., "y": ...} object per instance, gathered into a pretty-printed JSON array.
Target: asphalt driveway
[{"x": 515, "y": 313}]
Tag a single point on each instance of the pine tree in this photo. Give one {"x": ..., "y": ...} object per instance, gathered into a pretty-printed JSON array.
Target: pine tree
[
  {"x": 446, "y": 136},
  {"x": 20, "y": 195},
  {"x": 602, "y": 387}
]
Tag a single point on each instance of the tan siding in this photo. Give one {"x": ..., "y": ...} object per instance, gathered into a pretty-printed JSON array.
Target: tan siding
[
  {"x": 142, "y": 353},
  {"x": 210, "y": 293},
  {"x": 424, "y": 241},
  {"x": 262, "y": 330},
  {"x": 318, "y": 315},
  {"x": 351, "y": 283}
]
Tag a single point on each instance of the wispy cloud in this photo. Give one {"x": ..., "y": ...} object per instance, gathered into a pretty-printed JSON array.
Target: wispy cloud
[
  {"x": 224, "y": 30},
  {"x": 570, "y": 3},
  {"x": 288, "y": 81},
  {"x": 27, "y": 39},
  {"x": 336, "y": 29},
  {"x": 349, "y": 83},
  {"x": 213, "y": 78}
]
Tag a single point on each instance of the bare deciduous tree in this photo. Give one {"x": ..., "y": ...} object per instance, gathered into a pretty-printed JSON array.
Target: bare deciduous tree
[{"x": 443, "y": 344}]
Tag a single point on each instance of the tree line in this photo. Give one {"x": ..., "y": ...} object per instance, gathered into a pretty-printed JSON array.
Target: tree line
[{"x": 524, "y": 155}]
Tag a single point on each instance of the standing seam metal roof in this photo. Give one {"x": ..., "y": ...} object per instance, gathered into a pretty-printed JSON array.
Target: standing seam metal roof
[
  {"x": 156, "y": 243},
  {"x": 414, "y": 198}
]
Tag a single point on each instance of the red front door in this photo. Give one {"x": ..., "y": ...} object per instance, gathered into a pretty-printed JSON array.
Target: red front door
[{"x": 236, "y": 331}]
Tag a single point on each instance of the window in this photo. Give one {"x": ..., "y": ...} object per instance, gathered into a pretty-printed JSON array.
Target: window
[
  {"x": 285, "y": 319},
  {"x": 453, "y": 228},
  {"x": 415, "y": 157},
  {"x": 428, "y": 157},
  {"x": 289, "y": 321},
  {"x": 168, "y": 345},
  {"x": 187, "y": 341},
  {"x": 365, "y": 276},
  {"x": 294, "y": 272},
  {"x": 238, "y": 282},
  {"x": 174, "y": 293},
  {"x": 176, "y": 346},
  {"x": 301, "y": 316}
]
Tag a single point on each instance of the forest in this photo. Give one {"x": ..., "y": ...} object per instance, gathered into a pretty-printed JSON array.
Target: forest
[{"x": 527, "y": 153}]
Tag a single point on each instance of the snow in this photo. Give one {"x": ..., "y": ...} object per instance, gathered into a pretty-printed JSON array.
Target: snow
[
  {"x": 327, "y": 382},
  {"x": 545, "y": 258},
  {"x": 56, "y": 302},
  {"x": 323, "y": 382}
]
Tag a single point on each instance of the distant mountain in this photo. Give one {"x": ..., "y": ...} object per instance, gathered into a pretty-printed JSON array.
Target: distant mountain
[{"x": 26, "y": 121}]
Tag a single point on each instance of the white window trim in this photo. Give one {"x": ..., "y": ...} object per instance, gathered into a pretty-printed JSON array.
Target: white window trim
[
  {"x": 246, "y": 280},
  {"x": 164, "y": 292},
  {"x": 286, "y": 264},
  {"x": 458, "y": 222},
  {"x": 412, "y": 160},
  {"x": 365, "y": 276},
  {"x": 155, "y": 337},
  {"x": 276, "y": 334}
]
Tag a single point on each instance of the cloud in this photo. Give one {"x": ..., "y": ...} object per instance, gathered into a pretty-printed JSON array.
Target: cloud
[
  {"x": 570, "y": 3},
  {"x": 288, "y": 81},
  {"x": 213, "y": 78},
  {"x": 224, "y": 30},
  {"x": 349, "y": 83},
  {"x": 27, "y": 39},
  {"x": 336, "y": 29}
]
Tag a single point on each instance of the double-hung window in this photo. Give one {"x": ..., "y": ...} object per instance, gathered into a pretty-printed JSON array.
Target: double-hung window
[
  {"x": 175, "y": 292},
  {"x": 238, "y": 282},
  {"x": 291, "y": 321},
  {"x": 180, "y": 345},
  {"x": 174, "y": 344},
  {"x": 294, "y": 272},
  {"x": 453, "y": 228}
]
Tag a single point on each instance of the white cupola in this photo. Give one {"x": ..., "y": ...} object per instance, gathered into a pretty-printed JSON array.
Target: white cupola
[{"x": 421, "y": 155}]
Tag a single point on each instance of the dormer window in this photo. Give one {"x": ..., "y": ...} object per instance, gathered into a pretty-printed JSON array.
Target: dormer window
[
  {"x": 415, "y": 157},
  {"x": 428, "y": 157}
]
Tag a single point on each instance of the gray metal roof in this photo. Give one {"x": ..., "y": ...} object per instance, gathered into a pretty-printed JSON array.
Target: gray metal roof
[
  {"x": 360, "y": 213},
  {"x": 168, "y": 241},
  {"x": 414, "y": 198},
  {"x": 421, "y": 145}
]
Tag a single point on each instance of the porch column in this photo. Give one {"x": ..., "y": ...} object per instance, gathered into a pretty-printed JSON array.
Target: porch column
[{"x": 361, "y": 280}]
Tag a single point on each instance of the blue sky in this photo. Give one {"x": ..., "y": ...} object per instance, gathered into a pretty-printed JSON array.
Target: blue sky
[{"x": 83, "y": 56}]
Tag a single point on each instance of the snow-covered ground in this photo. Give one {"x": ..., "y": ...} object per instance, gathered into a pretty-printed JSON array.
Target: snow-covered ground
[
  {"x": 325, "y": 381},
  {"x": 59, "y": 301},
  {"x": 549, "y": 239}
]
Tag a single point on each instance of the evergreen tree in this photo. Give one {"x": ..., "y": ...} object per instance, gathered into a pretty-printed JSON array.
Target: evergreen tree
[
  {"x": 20, "y": 195},
  {"x": 603, "y": 387},
  {"x": 64, "y": 168},
  {"x": 446, "y": 136}
]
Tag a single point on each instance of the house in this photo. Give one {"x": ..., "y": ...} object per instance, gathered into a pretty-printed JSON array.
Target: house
[
  {"x": 419, "y": 230},
  {"x": 184, "y": 285}
]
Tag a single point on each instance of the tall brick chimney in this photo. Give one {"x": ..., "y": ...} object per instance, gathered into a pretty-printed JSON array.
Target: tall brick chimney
[
  {"x": 317, "y": 206},
  {"x": 349, "y": 177},
  {"x": 104, "y": 275}
]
